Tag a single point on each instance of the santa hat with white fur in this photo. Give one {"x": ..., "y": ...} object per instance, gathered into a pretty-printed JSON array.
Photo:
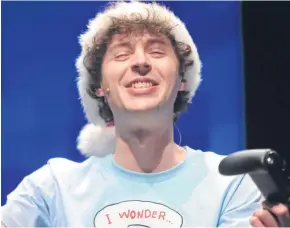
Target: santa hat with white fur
[{"x": 96, "y": 138}]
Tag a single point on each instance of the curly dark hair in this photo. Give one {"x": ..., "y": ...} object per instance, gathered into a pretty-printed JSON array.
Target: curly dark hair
[{"x": 127, "y": 25}]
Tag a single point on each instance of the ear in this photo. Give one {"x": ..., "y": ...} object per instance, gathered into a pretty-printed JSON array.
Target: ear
[
  {"x": 100, "y": 92},
  {"x": 182, "y": 86}
]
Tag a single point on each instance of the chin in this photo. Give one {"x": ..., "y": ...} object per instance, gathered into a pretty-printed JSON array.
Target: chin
[{"x": 142, "y": 106}]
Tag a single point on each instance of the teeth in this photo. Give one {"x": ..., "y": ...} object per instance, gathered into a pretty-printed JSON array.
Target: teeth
[{"x": 142, "y": 85}]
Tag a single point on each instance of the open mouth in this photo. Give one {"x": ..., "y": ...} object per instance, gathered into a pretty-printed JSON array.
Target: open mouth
[{"x": 141, "y": 84}]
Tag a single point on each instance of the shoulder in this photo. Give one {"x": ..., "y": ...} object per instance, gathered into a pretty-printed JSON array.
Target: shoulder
[
  {"x": 236, "y": 190},
  {"x": 61, "y": 171},
  {"x": 64, "y": 170},
  {"x": 208, "y": 162}
]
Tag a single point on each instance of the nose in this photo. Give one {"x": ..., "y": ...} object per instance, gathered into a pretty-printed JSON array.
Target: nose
[{"x": 141, "y": 66}]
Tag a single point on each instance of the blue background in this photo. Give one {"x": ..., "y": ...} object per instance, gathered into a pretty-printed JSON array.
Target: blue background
[{"x": 41, "y": 113}]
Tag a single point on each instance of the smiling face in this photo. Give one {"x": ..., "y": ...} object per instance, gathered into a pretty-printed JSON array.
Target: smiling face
[{"x": 141, "y": 71}]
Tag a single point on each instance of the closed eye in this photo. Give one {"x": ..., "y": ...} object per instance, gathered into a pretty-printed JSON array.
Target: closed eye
[
  {"x": 121, "y": 56},
  {"x": 157, "y": 54}
]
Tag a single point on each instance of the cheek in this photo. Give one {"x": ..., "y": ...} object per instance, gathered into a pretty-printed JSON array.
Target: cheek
[
  {"x": 171, "y": 73},
  {"x": 171, "y": 66},
  {"x": 173, "y": 79},
  {"x": 111, "y": 75}
]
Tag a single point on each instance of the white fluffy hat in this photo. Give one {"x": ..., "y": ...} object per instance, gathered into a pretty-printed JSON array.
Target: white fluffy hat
[{"x": 96, "y": 138}]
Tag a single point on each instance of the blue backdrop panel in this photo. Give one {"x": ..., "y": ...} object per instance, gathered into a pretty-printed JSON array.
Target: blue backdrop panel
[{"x": 41, "y": 113}]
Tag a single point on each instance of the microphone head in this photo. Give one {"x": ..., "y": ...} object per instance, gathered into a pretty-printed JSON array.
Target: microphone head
[{"x": 244, "y": 161}]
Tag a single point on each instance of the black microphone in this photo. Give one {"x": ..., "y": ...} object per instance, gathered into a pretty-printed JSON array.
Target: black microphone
[
  {"x": 247, "y": 161},
  {"x": 267, "y": 168},
  {"x": 270, "y": 172}
]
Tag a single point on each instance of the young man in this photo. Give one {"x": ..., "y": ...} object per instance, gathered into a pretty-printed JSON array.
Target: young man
[{"x": 138, "y": 70}]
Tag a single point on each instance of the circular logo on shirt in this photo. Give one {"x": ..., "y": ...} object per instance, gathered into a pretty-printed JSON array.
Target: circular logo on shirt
[{"x": 138, "y": 214}]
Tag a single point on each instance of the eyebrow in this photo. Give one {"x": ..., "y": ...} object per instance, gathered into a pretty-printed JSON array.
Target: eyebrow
[
  {"x": 121, "y": 44},
  {"x": 127, "y": 44},
  {"x": 156, "y": 41}
]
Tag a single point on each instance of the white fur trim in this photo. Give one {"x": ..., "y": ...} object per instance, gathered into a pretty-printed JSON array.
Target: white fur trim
[
  {"x": 97, "y": 140},
  {"x": 97, "y": 27}
]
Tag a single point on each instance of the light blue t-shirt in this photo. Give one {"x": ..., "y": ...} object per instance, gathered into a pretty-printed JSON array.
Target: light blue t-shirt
[{"x": 99, "y": 193}]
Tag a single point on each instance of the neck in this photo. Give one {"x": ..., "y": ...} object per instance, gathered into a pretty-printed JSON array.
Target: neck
[{"x": 147, "y": 150}]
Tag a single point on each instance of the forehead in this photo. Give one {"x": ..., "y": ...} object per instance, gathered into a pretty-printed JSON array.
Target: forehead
[{"x": 134, "y": 37}]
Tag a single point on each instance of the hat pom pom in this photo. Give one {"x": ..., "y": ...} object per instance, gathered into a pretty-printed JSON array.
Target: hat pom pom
[{"x": 96, "y": 140}]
